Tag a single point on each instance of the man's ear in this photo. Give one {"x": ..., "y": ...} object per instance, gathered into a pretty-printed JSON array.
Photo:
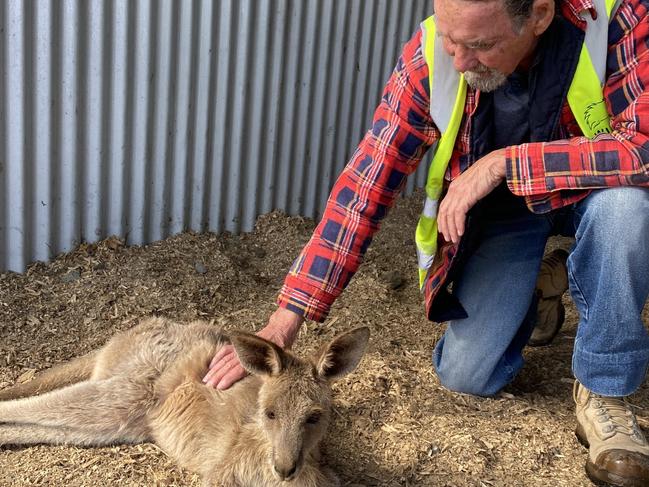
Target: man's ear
[
  {"x": 542, "y": 14},
  {"x": 257, "y": 356},
  {"x": 342, "y": 354}
]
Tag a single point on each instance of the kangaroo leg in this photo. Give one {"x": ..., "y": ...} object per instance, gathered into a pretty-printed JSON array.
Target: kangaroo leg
[
  {"x": 111, "y": 410},
  {"x": 58, "y": 376},
  {"x": 34, "y": 434}
]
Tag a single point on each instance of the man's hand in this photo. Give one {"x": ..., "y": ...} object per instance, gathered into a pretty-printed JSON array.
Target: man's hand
[
  {"x": 225, "y": 369},
  {"x": 466, "y": 190}
]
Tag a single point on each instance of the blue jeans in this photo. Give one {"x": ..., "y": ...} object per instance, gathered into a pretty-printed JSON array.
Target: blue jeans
[{"x": 608, "y": 272}]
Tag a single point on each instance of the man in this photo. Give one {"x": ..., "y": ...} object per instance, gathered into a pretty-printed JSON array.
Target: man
[{"x": 531, "y": 155}]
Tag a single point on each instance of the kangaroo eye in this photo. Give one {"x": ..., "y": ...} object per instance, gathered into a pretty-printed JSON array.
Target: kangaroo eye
[
  {"x": 313, "y": 418},
  {"x": 270, "y": 414}
]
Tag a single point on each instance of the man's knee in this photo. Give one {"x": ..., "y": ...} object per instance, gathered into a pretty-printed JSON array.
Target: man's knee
[
  {"x": 465, "y": 385},
  {"x": 621, "y": 213},
  {"x": 462, "y": 376}
]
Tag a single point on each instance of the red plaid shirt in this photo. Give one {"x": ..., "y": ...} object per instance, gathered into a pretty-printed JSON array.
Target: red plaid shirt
[{"x": 549, "y": 175}]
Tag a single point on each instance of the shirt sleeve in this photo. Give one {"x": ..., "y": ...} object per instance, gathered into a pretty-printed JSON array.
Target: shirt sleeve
[
  {"x": 617, "y": 159},
  {"x": 401, "y": 132}
]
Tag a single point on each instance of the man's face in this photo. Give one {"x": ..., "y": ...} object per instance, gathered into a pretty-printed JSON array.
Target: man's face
[{"x": 485, "y": 44}]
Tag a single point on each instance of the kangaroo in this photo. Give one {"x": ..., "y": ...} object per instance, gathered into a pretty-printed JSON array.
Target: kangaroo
[{"x": 145, "y": 385}]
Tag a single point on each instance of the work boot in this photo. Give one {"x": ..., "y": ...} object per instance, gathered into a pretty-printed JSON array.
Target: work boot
[
  {"x": 551, "y": 283},
  {"x": 618, "y": 452}
]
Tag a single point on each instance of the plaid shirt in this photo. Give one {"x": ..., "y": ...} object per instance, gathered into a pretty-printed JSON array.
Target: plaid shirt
[{"x": 549, "y": 175}]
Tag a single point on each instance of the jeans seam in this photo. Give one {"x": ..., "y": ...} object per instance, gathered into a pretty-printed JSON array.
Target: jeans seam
[{"x": 577, "y": 290}]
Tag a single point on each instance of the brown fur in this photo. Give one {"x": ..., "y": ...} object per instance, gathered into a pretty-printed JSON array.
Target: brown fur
[{"x": 145, "y": 385}]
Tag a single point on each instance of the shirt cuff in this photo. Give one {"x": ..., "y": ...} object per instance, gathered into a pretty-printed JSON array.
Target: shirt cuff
[
  {"x": 305, "y": 300},
  {"x": 525, "y": 169}
]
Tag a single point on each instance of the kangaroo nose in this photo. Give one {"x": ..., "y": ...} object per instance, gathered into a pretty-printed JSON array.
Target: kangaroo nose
[{"x": 285, "y": 472}]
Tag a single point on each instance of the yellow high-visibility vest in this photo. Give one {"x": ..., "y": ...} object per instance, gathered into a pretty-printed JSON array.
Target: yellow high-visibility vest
[{"x": 448, "y": 96}]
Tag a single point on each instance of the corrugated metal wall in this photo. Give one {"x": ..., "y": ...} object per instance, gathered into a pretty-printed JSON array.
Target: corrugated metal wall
[{"x": 145, "y": 118}]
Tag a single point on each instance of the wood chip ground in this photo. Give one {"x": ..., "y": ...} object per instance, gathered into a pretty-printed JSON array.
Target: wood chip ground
[{"x": 394, "y": 425}]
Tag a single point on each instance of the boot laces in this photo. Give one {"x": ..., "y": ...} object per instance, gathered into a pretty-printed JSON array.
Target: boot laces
[{"x": 615, "y": 416}]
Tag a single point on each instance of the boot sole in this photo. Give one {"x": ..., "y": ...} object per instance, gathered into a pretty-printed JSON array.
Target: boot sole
[{"x": 599, "y": 476}]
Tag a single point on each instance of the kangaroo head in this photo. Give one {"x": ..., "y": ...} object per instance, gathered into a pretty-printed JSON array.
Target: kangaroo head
[{"x": 295, "y": 395}]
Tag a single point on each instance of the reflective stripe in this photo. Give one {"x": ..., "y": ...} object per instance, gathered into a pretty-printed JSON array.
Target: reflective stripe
[
  {"x": 446, "y": 143},
  {"x": 424, "y": 261},
  {"x": 596, "y": 39},
  {"x": 430, "y": 208},
  {"x": 443, "y": 84}
]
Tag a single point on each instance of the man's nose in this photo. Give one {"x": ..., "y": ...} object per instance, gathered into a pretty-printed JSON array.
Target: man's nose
[{"x": 463, "y": 59}]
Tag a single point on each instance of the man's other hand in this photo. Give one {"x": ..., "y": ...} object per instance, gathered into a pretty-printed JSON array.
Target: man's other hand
[{"x": 225, "y": 369}]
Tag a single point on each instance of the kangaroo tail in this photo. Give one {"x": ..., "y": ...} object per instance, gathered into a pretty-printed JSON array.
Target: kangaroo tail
[{"x": 62, "y": 375}]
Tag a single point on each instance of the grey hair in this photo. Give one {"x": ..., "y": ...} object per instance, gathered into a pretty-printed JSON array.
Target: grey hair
[{"x": 519, "y": 11}]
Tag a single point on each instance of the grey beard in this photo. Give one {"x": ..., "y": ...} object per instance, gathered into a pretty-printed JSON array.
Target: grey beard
[{"x": 487, "y": 80}]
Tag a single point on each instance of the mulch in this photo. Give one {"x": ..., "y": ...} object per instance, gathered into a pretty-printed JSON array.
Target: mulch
[{"x": 394, "y": 425}]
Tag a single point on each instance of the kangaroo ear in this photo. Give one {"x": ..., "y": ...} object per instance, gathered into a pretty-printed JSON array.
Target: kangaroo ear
[
  {"x": 257, "y": 356},
  {"x": 342, "y": 354}
]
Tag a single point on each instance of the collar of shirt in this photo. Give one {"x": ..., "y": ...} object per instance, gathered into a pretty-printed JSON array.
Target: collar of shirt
[{"x": 576, "y": 7}]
